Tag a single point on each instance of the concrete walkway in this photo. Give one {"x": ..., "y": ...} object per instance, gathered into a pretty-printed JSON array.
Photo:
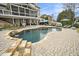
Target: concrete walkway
[{"x": 63, "y": 43}]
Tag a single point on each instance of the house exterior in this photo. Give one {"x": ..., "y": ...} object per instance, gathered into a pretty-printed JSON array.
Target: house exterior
[
  {"x": 43, "y": 22},
  {"x": 50, "y": 20},
  {"x": 20, "y": 14}
]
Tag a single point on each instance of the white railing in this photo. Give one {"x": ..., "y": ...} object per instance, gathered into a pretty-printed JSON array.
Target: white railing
[
  {"x": 5, "y": 12},
  {"x": 8, "y": 12}
]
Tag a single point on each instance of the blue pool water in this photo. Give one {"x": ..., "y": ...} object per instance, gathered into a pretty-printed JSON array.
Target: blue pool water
[{"x": 35, "y": 35}]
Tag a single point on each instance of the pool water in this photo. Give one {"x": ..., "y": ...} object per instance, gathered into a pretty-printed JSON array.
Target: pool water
[{"x": 35, "y": 35}]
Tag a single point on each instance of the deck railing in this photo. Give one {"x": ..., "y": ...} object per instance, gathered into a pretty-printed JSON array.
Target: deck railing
[
  {"x": 5, "y": 12},
  {"x": 8, "y": 12}
]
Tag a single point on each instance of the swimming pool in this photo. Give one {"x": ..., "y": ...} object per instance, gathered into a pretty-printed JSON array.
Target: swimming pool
[{"x": 35, "y": 35}]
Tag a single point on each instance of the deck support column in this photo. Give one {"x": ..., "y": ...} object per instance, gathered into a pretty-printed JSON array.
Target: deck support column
[
  {"x": 30, "y": 22},
  {"x": 37, "y": 21},
  {"x": 13, "y": 21},
  {"x": 10, "y": 9},
  {"x": 26, "y": 21},
  {"x": 23, "y": 23}
]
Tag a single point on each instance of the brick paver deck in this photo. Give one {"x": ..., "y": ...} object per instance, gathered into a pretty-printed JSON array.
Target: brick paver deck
[
  {"x": 4, "y": 43},
  {"x": 65, "y": 42}
]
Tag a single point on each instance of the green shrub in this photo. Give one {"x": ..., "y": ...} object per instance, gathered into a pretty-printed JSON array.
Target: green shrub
[
  {"x": 66, "y": 22},
  {"x": 76, "y": 25}
]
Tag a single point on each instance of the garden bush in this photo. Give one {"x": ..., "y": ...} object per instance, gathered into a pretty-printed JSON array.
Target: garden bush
[{"x": 76, "y": 25}]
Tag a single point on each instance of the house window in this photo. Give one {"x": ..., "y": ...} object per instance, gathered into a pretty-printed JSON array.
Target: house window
[
  {"x": 21, "y": 10},
  {"x": 14, "y": 8}
]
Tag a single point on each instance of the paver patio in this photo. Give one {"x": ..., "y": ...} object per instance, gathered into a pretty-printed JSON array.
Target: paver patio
[
  {"x": 4, "y": 43},
  {"x": 65, "y": 42}
]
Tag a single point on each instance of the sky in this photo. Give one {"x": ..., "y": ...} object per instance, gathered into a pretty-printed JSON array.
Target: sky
[{"x": 51, "y": 9}]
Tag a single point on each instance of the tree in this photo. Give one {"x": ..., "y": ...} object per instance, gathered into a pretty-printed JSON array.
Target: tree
[
  {"x": 66, "y": 14},
  {"x": 73, "y": 7},
  {"x": 68, "y": 6},
  {"x": 46, "y": 17}
]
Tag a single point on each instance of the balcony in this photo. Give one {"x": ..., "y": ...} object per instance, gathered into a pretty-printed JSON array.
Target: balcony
[
  {"x": 6, "y": 12},
  {"x": 12, "y": 13}
]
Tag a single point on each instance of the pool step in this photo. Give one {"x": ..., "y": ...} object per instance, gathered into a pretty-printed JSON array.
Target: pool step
[
  {"x": 23, "y": 44},
  {"x": 16, "y": 53},
  {"x": 27, "y": 51},
  {"x": 11, "y": 50},
  {"x": 19, "y": 48},
  {"x": 24, "y": 49},
  {"x": 29, "y": 44}
]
